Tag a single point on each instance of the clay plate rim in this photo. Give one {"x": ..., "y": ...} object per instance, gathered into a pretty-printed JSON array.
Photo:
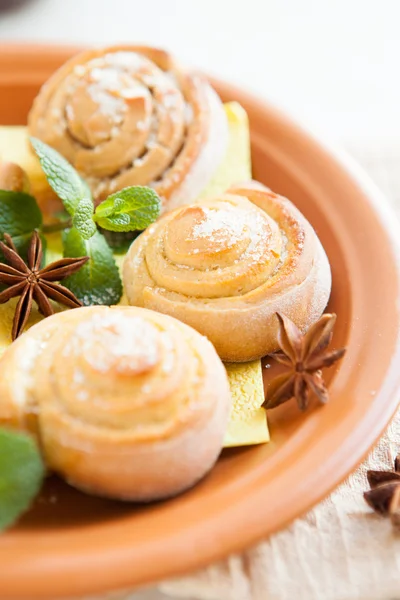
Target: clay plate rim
[{"x": 108, "y": 557}]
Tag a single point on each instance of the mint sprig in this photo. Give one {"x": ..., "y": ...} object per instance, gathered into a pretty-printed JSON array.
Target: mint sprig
[
  {"x": 98, "y": 281},
  {"x": 21, "y": 475},
  {"x": 83, "y": 218},
  {"x": 62, "y": 177},
  {"x": 130, "y": 209}
]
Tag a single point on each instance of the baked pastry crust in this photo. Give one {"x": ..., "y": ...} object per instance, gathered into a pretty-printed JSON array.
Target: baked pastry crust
[
  {"x": 125, "y": 402},
  {"x": 225, "y": 268},
  {"x": 129, "y": 115}
]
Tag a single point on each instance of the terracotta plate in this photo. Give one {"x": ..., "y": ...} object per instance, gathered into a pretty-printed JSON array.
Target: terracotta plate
[{"x": 71, "y": 544}]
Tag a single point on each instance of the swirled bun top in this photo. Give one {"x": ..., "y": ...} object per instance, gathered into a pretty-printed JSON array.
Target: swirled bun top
[
  {"x": 126, "y": 402},
  {"x": 128, "y": 115},
  {"x": 228, "y": 265}
]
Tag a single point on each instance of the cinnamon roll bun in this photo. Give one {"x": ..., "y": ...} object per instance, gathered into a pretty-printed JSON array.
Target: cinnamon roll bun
[
  {"x": 129, "y": 115},
  {"x": 225, "y": 267},
  {"x": 125, "y": 402}
]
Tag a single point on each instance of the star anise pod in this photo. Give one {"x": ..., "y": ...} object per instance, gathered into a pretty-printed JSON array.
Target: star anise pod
[
  {"x": 384, "y": 495},
  {"x": 30, "y": 282},
  {"x": 305, "y": 356}
]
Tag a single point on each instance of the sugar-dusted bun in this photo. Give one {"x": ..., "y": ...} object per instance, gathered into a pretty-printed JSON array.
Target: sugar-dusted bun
[
  {"x": 126, "y": 403},
  {"x": 226, "y": 267},
  {"x": 129, "y": 115}
]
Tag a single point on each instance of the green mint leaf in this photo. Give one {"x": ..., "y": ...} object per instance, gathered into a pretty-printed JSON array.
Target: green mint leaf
[
  {"x": 21, "y": 475},
  {"x": 118, "y": 223},
  {"x": 83, "y": 218},
  {"x": 130, "y": 209},
  {"x": 19, "y": 214},
  {"x": 62, "y": 177},
  {"x": 98, "y": 281}
]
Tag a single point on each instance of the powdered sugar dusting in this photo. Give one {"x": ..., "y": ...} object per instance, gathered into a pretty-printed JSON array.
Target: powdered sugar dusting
[
  {"x": 27, "y": 359},
  {"x": 219, "y": 223},
  {"x": 130, "y": 345},
  {"x": 259, "y": 235},
  {"x": 79, "y": 70},
  {"x": 109, "y": 105},
  {"x": 226, "y": 227},
  {"x": 109, "y": 78},
  {"x": 169, "y": 355},
  {"x": 122, "y": 59},
  {"x": 111, "y": 85}
]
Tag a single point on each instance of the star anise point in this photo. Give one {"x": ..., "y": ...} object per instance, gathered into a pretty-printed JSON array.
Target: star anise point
[
  {"x": 31, "y": 282},
  {"x": 384, "y": 495},
  {"x": 305, "y": 356}
]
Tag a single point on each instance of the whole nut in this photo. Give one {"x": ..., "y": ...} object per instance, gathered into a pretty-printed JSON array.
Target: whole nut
[{"x": 13, "y": 178}]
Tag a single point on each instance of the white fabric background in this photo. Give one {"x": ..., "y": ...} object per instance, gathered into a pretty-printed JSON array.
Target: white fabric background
[
  {"x": 331, "y": 63},
  {"x": 334, "y": 65}
]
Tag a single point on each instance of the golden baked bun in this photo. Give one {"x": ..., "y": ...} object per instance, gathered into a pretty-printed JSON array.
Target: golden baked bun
[
  {"x": 128, "y": 115},
  {"x": 226, "y": 267},
  {"x": 126, "y": 403}
]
